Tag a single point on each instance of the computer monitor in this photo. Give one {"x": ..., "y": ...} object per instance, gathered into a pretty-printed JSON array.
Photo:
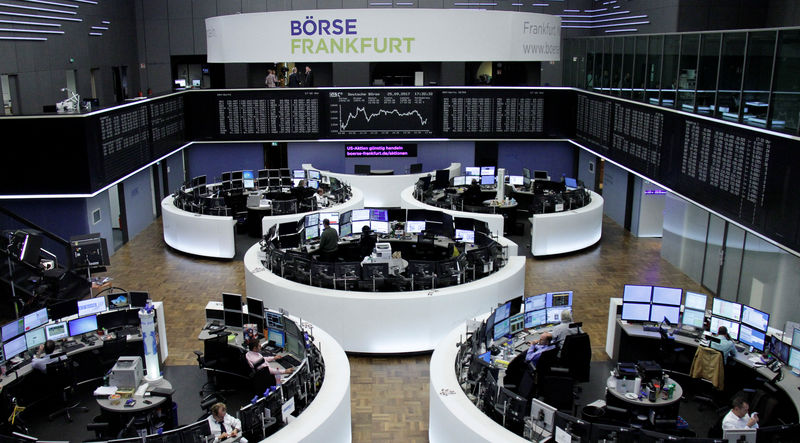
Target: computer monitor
[
  {"x": 118, "y": 300},
  {"x": 56, "y": 331},
  {"x": 231, "y": 301},
  {"x": 362, "y": 169},
  {"x": 636, "y": 311},
  {"x": 535, "y": 302},
  {"x": 312, "y": 232},
  {"x": 442, "y": 178},
  {"x": 778, "y": 433},
  {"x": 727, "y": 309},
  {"x": 535, "y": 318},
  {"x": 263, "y": 173},
  {"x": 515, "y": 180},
  {"x": 89, "y": 250},
  {"x": 277, "y": 336},
  {"x": 314, "y": 174},
  {"x": 91, "y": 306},
  {"x": 236, "y": 175},
  {"x": 487, "y": 180},
  {"x": 415, "y": 226},
  {"x": 659, "y": 312},
  {"x": 14, "y": 347},
  {"x": 460, "y": 180},
  {"x": 570, "y": 182},
  {"x": 313, "y": 184},
  {"x": 516, "y": 323},
  {"x": 379, "y": 215},
  {"x": 34, "y": 338},
  {"x": 13, "y": 329},
  {"x": 542, "y": 415},
  {"x": 138, "y": 299},
  {"x": 502, "y": 312},
  {"x": 796, "y": 338},
  {"x": 234, "y": 319},
  {"x": 575, "y": 428},
  {"x": 63, "y": 309},
  {"x": 112, "y": 319},
  {"x": 82, "y": 325},
  {"x": 346, "y": 229},
  {"x": 648, "y": 436},
  {"x": 752, "y": 337},
  {"x": 377, "y": 270},
  {"x": 415, "y": 168},
  {"x": 637, "y": 293},
  {"x": 255, "y": 307},
  {"x": 248, "y": 179},
  {"x": 554, "y": 314},
  {"x": 360, "y": 214},
  {"x": 692, "y": 317},
  {"x": 465, "y": 235},
  {"x": 488, "y": 170},
  {"x": 667, "y": 296},
  {"x": 381, "y": 227},
  {"x": 472, "y": 171},
  {"x": 358, "y": 226},
  {"x": 333, "y": 218},
  {"x": 501, "y": 329},
  {"x": 559, "y": 299},
  {"x": 226, "y": 176},
  {"x": 299, "y": 174},
  {"x": 312, "y": 219},
  {"x": 732, "y": 326},
  {"x": 540, "y": 175},
  {"x": 35, "y": 319},
  {"x": 614, "y": 433},
  {"x": 754, "y": 318},
  {"x": 693, "y": 300},
  {"x": 739, "y": 435}
]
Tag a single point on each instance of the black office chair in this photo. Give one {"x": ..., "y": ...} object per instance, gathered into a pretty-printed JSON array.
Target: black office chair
[
  {"x": 61, "y": 375},
  {"x": 110, "y": 352},
  {"x": 576, "y": 356},
  {"x": 709, "y": 379},
  {"x": 282, "y": 207},
  {"x": 558, "y": 391},
  {"x": 261, "y": 379},
  {"x": 223, "y": 365}
]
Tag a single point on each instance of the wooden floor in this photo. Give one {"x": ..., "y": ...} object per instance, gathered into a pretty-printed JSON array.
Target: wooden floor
[{"x": 390, "y": 394}]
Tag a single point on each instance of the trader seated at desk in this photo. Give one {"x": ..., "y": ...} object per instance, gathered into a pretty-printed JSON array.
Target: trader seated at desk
[
  {"x": 328, "y": 242},
  {"x": 40, "y": 361},
  {"x": 322, "y": 200},
  {"x": 301, "y": 192},
  {"x": 738, "y": 417},
  {"x": 367, "y": 242},
  {"x": 472, "y": 195},
  {"x": 725, "y": 345},
  {"x": 254, "y": 355},
  {"x": 562, "y": 330},
  {"x": 538, "y": 348},
  {"x": 224, "y": 425}
]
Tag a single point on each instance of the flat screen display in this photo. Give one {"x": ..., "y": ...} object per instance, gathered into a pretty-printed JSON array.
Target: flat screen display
[
  {"x": 333, "y": 217},
  {"x": 312, "y": 220},
  {"x": 91, "y": 306},
  {"x": 314, "y": 184},
  {"x": 312, "y": 232},
  {"x": 487, "y": 170},
  {"x": 414, "y": 226},
  {"x": 752, "y": 337},
  {"x": 694, "y": 300},
  {"x": 554, "y": 315},
  {"x": 516, "y": 180},
  {"x": 35, "y": 319},
  {"x": 461, "y": 180},
  {"x": 314, "y": 174},
  {"x": 275, "y": 335},
  {"x": 733, "y": 327},
  {"x": 56, "y": 331},
  {"x": 755, "y": 318},
  {"x": 378, "y": 215},
  {"x": 298, "y": 173},
  {"x": 118, "y": 300},
  {"x": 637, "y": 294},
  {"x": 516, "y": 323},
  {"x": 501, "y": 328},
  {"x": 535, "y": 302},
  {"x": 727, "y": 309},
  {"x": 82, "y": 325},
  {"x": 360, "y": 214},
  {"x": 667, "y": 296},
  {"x": 693, "y": 317},
  {"x": 472, "y": 170},
  {"x": 34, "y": 338},
  {"x": 502, "y": 312},
  {"x": 659, "y": 312},
  {"x": 357, "y": 226},
  {"x": 559, "y": 299},
  {"x": 794, "y": 358},
  {"x": 248, "y": 179},
  {"x": 231, "y": 302},
  {"x": 540, "y": 175},
  {"x": 796, "y": 338},
  {"x": 14, "y": 347},
  {"x": 487, "y": 180},
  {"x": 570, "y": 182},
  {"x": 381, "y": 227},
  {"x": 636, "y": 311},
  {"x": 778, "y": 349},
  {"x": 345, "y": 229},
  {"x": 535, "y": 318},
  {"x": 466, "y": 236},
  {"x": 13, "y": 329}
]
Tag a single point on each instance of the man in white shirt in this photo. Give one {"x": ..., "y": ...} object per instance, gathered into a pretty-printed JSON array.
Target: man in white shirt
[
  {"x": 562, "y": 330},
  {"x": 738, "y": 417},
  {"x": 44, "y": 356},
  {"x": 223, "y": 425}
]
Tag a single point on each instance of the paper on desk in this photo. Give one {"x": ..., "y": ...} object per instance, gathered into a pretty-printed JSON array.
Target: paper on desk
[
  {"x": 105, "y": 391},
  {"x": 562, "y": 436},
  {"x": 598, "y": 403}
]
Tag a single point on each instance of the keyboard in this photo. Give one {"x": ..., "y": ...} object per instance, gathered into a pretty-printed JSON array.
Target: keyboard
[
  {"x": 686, "y": 333},
  {"x": 288, "y": 360},
  {"x": 67, "y": 347}
]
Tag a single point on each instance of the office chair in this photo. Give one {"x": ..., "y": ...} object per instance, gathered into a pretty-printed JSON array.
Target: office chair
[
  {"x": 576, "y": 356},
  {"x": 709, "y": 372},
  {"x": 221, "y": 363},
  {"x": 282, "y": 207},
  {"x": 320, "y": 275},
  {"x": 261, "y": 379},
  {"x": 668, "y": 352},
  {"x": 558, "y": 392},
  {"x": 61, "y": 374}
]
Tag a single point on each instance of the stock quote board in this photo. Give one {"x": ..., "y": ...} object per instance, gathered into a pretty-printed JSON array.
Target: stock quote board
[{"x": 744, "y": 174}]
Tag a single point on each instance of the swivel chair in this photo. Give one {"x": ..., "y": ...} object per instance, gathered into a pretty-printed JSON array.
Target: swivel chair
[
  {"x": 322, "y": 275},
  {"x": 261, "y": 379},
  {"x": 709, "y": 372},
  {"x": 62, "y": 376},
  {"x": 282, "y": 207},
  {"x": 576, "y": 356}
]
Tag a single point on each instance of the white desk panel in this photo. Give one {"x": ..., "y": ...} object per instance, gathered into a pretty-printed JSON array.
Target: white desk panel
[
  {"x": 567, "y": 231},
  {"x": 453, "y": 418},
  {"x": 383, "y": 191},
  {"x": 356, "y": 201},
  {"x": 384, "y": 322},
  {"x": 206, "y": 235}
]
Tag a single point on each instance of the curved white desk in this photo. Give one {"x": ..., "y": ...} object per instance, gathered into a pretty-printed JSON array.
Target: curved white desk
[
  {"x": 453, "y": 418},
  {"x": 381, "y": 191},
  {"x": 384, "y": 322},
  {"x": 567, "y": 231},
  {"x": 495, "y": 221},
  {"x": 327, "y": 418},
  {"x": 356, "y": 201},
  {"x": 206, "y": 235}
]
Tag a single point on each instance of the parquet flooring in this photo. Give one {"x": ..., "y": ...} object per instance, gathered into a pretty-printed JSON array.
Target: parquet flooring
[{"x": 389, "y": 394}]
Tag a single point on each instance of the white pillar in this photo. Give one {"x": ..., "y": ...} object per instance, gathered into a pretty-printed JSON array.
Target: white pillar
[{"x": 147, "y": 317}]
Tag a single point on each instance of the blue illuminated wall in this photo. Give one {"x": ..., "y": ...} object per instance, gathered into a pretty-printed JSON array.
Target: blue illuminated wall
[
  {"x": 212, "y": 159},
  {"x": 555, "y": 157},
  {"x": 138, "y": 202}
]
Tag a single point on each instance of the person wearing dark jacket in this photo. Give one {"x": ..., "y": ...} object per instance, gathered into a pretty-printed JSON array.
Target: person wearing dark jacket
[
  {"x": 294, "y": 79},
  {"x": 367, "y": 242},
  {"x": 308, "y": 80}
]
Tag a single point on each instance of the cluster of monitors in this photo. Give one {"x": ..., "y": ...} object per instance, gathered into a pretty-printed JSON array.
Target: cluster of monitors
[
  {"x": 654, "y": 303},
  {"x": 34, "y": 329},
  {"x": 263, "y": 178},
  {"x": 380, "y": 220},
  {"x": 539, "y": 310},
  {"x": 284, "y": 332}
]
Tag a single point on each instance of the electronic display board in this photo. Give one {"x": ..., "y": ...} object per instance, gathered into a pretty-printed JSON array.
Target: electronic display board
[
  {"x": 478, "y": 113},
  {"x": 381, "y": 113}
]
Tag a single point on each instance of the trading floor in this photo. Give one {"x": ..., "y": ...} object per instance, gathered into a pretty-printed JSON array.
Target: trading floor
[{"x": 390, "y": 395}]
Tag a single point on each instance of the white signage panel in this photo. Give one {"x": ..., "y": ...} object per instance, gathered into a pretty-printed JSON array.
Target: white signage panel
[{"x": 359, "y": 35}]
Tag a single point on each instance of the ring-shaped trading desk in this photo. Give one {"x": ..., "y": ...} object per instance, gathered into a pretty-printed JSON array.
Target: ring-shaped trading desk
[
  {"x": 380, "y": 191},
  {"x": 384, "y": 322},
  {"x": 213, "y": 235}
]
